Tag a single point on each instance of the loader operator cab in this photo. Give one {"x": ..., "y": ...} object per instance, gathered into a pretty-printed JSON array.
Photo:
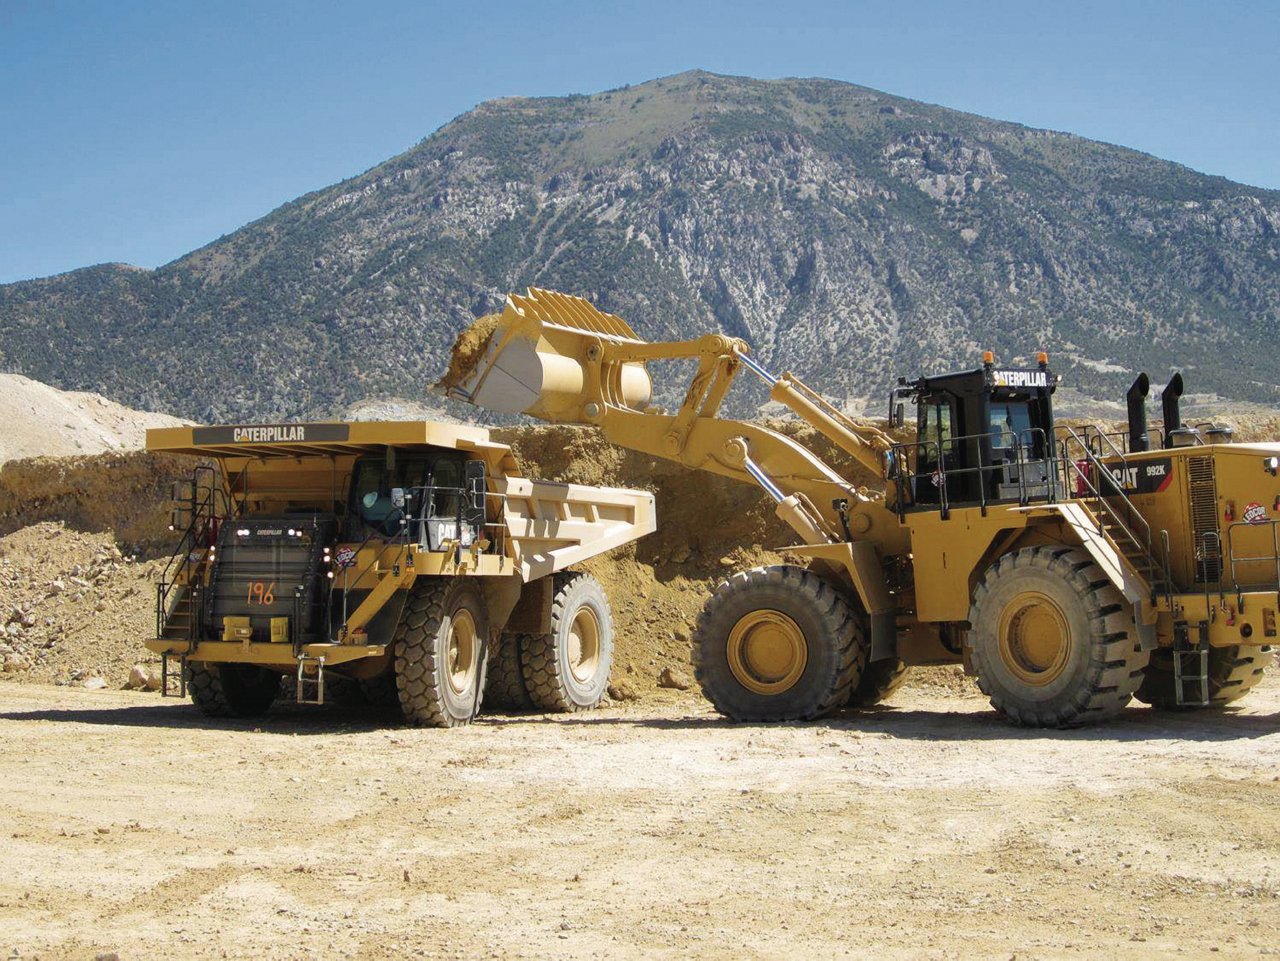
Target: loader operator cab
[
  {"x": 982, "y": 436},
  {"x": 432, "y": 497}
]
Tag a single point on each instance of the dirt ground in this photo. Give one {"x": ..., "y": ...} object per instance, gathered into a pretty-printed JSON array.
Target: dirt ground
[{"x": 925, "y": 829}]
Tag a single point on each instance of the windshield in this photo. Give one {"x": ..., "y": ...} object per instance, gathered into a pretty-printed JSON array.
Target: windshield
[{"x": 1010, "y": 423}]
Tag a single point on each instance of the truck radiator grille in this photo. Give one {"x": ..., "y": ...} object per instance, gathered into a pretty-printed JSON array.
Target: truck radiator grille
[{"x": 1204, "y": 519}]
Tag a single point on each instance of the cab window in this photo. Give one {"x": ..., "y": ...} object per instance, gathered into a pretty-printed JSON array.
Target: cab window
[
  {"x": 445, "y": 481},
  {"x": 1010, "y": 424}
]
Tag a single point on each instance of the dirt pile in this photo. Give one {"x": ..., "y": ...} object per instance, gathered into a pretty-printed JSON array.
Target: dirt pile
[
  {"x": 74, "y": 608},
  {"x": 123, "y": 493},
  {"x": 40, "y": 420},
  {"x": 467, "y": 350}
]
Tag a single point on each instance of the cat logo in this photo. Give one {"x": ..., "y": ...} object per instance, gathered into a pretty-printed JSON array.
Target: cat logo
[
  {"x": 1021, "y": 378},
  {"x": 1150, "y": 477}
]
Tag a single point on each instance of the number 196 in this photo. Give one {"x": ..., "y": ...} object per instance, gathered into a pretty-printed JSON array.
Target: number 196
[{"x": 260, "y": 592}]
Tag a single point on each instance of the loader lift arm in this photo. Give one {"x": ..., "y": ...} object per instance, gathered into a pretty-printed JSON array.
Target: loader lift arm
[{"x": 562, "y": 360}]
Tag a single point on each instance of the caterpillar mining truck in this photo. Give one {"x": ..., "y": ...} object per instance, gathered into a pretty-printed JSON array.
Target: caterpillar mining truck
[
  {"x": 403, "y": 562},
  {"x": 1069, "y": 569}
]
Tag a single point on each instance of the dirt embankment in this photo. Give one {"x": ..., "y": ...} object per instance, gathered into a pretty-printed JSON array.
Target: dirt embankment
[{"x": 125, "y": 494}]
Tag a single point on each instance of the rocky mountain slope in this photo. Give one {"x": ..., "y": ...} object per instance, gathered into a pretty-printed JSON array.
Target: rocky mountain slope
[{"x": 847, "y": 234}]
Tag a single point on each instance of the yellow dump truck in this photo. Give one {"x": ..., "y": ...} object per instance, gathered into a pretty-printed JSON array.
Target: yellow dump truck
[{"x": 409, "y": 561}]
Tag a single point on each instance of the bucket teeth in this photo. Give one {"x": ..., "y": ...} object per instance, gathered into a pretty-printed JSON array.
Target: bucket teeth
[{"x": 565, "y": 310}]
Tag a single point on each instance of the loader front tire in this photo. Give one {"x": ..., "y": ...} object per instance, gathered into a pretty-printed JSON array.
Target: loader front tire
[
  {"x": 778, "y": 644},
  {"x": 439, "y": 656},
  {"x": 880, "y": 679},
  {"x": 231, "y": 690},
  {"x": 567, "y": 669},
  {"x": 1233, "y": 671},
  {"x": 1053, "y": 643}
]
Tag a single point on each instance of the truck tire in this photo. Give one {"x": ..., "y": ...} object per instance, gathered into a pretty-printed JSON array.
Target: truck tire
[
  {"x": 438, "y": 652},
  {"x": 381, "y": 691},
  {"x": 504, "y": 690},
  {"x": 567, "y": 669},
  {"x": 231, "y": 690},
  {"x": 1053, "y": 643},
  {"x": 1233, "y": 671},
  {"x": 878, "y": 682},
  {"x": 778, "y": 644}
]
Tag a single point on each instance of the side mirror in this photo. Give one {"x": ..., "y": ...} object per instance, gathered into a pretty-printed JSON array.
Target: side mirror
[
  {"x": 397, "y": 498},
  {"x": 899, "y": 416},
  {"x": 182, "y": 491}
]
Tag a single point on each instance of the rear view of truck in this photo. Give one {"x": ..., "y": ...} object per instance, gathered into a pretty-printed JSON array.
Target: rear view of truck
[{"x": 406, "y": 563}]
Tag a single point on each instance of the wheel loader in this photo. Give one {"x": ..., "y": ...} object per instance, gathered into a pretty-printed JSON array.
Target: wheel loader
[
  {"x": 406, "y": 563},
  {"x": 1069, "y": 569}
]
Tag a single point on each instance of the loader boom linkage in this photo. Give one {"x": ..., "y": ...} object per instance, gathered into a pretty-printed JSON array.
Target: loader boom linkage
[{"x": 562, "y": 360}]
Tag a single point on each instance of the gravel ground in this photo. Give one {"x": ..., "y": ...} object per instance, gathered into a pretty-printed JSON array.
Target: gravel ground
[{"x": 926, "y": 829}]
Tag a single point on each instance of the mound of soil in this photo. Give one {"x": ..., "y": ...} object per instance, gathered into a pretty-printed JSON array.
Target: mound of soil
[
  {"x": 467, "y": 350},
  {"x": 73, "y": 607},
  {"x": 40, "y": 420}
]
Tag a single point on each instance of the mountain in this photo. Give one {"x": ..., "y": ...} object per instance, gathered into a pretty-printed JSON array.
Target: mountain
[{"x": 848, "y": 235}]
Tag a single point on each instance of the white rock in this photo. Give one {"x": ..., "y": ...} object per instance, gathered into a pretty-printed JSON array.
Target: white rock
[{"x": 94, "y": 684}]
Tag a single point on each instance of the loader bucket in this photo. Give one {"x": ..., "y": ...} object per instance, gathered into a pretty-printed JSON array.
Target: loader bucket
[{"x": 535, "y": 360}]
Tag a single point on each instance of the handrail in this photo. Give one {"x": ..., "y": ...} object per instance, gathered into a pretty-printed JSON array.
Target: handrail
[
  {"x": 1272, "y": 558},
  {"x": 1024, "y": 441},
  {"x": 1100, "y": 469},
  {"x": 203, "y": 514}
]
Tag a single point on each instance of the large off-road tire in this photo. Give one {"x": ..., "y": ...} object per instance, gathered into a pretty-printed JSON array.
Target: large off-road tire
[
  {"x": 778, "y": 644},
  {"x": 1053, "y": 643},
  {"x": 878, "y": 682},
  {"x": 439, "y": 651},
  {"x": 381, "y": 691},
  {"x": 567, "y": 669},
  {"x": 231, "y": 690},
  {"x": 504, "y": 690},
  {"x": 1233, "y": 671}
]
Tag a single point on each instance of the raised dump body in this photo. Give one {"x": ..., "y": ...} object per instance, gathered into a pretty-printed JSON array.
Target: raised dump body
[{"x": 409, "y": 559}]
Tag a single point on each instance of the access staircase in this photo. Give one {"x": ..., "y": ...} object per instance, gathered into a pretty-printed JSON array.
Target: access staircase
[{"x": 1130, "y": 534}]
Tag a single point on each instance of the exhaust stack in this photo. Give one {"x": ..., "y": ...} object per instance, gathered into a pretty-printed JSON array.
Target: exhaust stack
[
  {"x": 1170, "y": 403},
  {"x": 1139, "y": 439}
]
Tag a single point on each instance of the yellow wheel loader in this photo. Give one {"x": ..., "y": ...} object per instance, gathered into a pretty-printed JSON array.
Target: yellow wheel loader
[
  {"x": 1068, "y": 568},
  {"x": 401, "y": 562}
]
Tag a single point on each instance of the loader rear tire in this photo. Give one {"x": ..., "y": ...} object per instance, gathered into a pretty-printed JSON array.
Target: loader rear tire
[
  {"x": 1233, "y": 671},
  {"x": 505, "y": 689},
  {"x": 1053, "y": 643},
  {"x": 880, "y": 679},
  {"x": 438, "y": 649},
  {"x": 567, "y": 669},
  {"x": 778, "y": 644},
  {"x": 231, "y": 690}
]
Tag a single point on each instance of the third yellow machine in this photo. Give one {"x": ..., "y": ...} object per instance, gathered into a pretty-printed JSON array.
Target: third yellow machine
[{"x": 1070, "y": 569}]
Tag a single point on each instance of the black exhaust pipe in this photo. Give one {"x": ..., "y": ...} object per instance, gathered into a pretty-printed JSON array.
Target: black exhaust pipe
[
  {"x": 1139, "y": 439},
  {"x": 1170, "y": 404}
]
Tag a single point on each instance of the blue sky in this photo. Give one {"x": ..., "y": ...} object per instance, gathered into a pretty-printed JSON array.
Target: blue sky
[{"x": 137, "y": 132}]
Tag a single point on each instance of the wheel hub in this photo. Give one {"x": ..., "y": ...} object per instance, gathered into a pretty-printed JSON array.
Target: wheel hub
[
  {"x": 1035, "y": 640},
  {"x": 463, "y": 650},
  {"x": 584, "y": 645},
  {"x": 767, "y": 652}
]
